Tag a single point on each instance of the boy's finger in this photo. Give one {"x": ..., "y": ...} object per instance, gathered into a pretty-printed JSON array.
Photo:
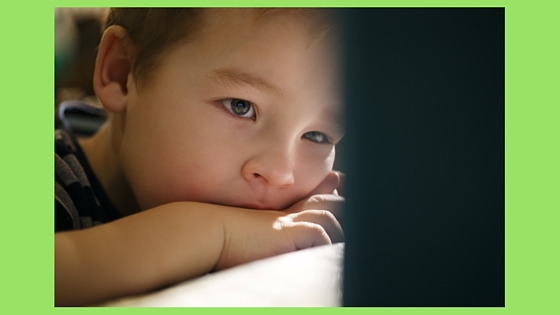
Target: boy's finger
[
  {"x": 340, "y": 187},
  {"x": 307, "y": 234},
  {"x": 326, "y": 220},
  {"x": 328, "y": 185},
  {"x": 329, "y": 202}
]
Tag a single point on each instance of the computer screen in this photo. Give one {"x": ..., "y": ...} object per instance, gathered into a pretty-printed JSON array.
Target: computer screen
[{"x": 424, "y": 157}]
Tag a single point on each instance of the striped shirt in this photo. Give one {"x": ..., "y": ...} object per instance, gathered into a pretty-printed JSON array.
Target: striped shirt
[{"x": 80, "y": 201}]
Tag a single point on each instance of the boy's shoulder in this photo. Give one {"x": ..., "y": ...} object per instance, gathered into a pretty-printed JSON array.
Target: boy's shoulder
[{"x": 79, "y": 200}]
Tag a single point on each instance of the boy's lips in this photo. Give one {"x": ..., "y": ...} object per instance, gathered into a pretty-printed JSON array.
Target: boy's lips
[
  {"x": 263, "y": 205},
  {"x": 256, "y": 206},
  {"x": 262, "y": 201}
]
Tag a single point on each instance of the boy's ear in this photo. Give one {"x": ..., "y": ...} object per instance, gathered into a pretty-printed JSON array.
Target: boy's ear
[{"x": 112, "y": 69}]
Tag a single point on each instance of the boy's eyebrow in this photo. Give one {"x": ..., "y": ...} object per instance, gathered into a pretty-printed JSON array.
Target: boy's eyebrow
[{"x": 237, "y": 76}]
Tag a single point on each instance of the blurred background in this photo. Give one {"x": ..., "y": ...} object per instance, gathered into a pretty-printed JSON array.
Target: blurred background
[{"x": 77, "y": 35}]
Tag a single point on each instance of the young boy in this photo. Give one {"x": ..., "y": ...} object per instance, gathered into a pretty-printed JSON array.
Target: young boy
[{"x": 218, "y": 149}]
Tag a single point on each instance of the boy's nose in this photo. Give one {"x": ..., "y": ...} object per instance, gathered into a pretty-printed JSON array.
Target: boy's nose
[{"x": 274, "y": 169}]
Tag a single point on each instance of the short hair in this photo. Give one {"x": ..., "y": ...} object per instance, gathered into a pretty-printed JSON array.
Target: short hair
[{"x": 152, "y": 31}]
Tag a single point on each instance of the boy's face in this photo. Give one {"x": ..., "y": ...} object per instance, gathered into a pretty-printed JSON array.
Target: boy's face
[{"x": 243, "y": 114}]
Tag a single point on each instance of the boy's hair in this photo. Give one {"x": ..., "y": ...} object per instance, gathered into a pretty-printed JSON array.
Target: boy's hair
[{"x": 151, "y": 31}]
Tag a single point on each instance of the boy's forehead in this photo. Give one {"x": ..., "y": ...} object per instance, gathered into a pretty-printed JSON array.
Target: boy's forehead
[{"x": 261, "y": 33}]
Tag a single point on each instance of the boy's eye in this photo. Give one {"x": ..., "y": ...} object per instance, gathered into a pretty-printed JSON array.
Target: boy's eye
[
  {"x": 238, "y": 107},
  {"x": 317, "y": 137}
]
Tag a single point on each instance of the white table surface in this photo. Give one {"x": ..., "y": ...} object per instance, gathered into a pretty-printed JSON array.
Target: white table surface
[{"x": 310, "y": 277}]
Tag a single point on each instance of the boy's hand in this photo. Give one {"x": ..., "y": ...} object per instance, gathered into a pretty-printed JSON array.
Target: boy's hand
[
  {"x": 327, "y": 196},
  {"x": 256, "y": 234},
  {"x": 332, "y": 184}
]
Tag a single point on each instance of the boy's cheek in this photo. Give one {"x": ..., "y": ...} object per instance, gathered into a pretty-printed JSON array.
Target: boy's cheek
[
  {"x": 219, "y": 181},
  {"x": 159, "y": 184}
]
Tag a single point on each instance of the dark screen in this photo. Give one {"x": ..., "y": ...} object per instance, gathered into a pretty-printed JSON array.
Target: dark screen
[{"x": 424, "y": 157}]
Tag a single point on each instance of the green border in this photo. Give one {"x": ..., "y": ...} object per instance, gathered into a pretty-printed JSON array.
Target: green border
[{"x": 532, "y": 153}]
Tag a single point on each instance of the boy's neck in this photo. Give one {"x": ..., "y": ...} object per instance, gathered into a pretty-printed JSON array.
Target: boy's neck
[{"x": 104, "y": 162}]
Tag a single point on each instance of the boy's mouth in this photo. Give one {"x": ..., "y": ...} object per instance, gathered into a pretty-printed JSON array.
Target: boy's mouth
[
  {"x": 256, "y": 206},
  {"x": 263, "y": 203}
]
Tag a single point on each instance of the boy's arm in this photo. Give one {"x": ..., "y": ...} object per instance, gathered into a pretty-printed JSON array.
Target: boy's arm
[
  {"x": 175, "y": 242},
  {"x": 137, "y": 253}
]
